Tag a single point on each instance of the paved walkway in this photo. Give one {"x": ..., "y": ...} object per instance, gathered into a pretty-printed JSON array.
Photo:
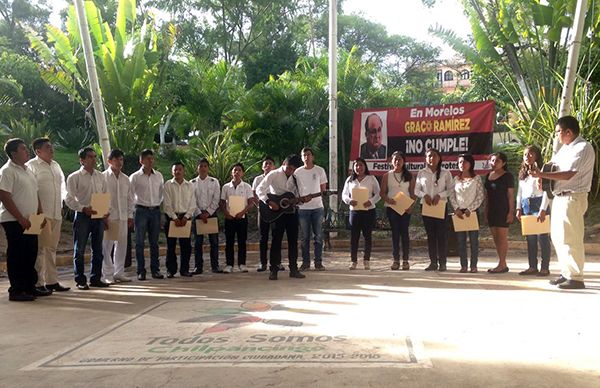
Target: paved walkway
[{"x": 333, "y": 329}]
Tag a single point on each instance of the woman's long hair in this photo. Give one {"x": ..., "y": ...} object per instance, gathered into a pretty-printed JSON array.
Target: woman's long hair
[
  {"x": 537, "y": 153},
  {"x": 354, "y": 175},
  {"x": 502, "y": 156},
  {"x": 406, "y": 175},
  {"x": 438, "y": 169}
]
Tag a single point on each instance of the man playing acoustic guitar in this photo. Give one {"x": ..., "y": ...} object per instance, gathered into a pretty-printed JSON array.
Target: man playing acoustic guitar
[{"x": 278, "y": 182}]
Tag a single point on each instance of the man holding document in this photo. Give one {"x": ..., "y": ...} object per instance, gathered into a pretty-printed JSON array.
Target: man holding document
[
  {"x": 81, "y": 186},
  {"x": 19, "y": 197},
  {"x": 179, "y": 205},
  {"x": 575, "y": 162}
]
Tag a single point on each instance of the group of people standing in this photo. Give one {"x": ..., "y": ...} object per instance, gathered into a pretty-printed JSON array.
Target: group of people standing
[
  {"x": 494, "y": 197},
  {"x": 36, "y": 186}
]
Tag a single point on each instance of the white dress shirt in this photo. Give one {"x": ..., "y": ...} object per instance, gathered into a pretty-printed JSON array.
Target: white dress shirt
[
  {"x": 257, "y": 181},
  {"x": 243, "y": 189},
  {"x": 467, "y": 193},
  {"x": 396, "y": 184},
  {"x": 577, "y": 156},
  {"x": 80, "y": 187},
  {"x": 370, "y": 182},
  {"x": 276, "y": 182},
  {"x": 21, "y": 184},
  {"x": 52, "y": 189},
  {"x": 208, "y": 192},
  {"x": 530, "y": 188},
  {"x": 147, "y": 188},
  {"x": 179, "y": 198},
  {"x": 309, "y": 182},
  {"x": 121, "y": 195},
  {"x": 426, "y": 184}
]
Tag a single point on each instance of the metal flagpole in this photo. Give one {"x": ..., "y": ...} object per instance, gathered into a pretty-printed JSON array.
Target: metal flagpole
[
  {"x": 572, "y": 60},
  {"x": 93, "y": 78},
  {"x": 333, "y": 142}
]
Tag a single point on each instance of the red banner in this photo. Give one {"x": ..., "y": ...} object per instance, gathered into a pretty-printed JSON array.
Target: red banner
[{"x": 451, "y": 129}]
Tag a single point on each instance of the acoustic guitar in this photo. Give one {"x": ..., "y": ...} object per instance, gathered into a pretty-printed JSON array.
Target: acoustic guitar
[
  {"x": 286, "y": 201},
  {"x": 548, "y": 184}
]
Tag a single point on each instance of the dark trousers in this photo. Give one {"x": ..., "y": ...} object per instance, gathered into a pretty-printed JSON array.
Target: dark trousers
[
  {"x": 264, "y": 228},
  {"x": 185, "y": 251},
  {"x": 361, "y": 222},
  {"x": 531, "y": 206},
  {"x": 213, "y": 239},
  {"x": 233, "y": 228},
  {"x": 85, "y": 227},
  {"x": 21, "y": 252},
  {"x": 399, "y": 224},
  {"x": 147, "y": 220},
  {"x": 437, "y": 239},
  {"x": 288, "y": 224}
]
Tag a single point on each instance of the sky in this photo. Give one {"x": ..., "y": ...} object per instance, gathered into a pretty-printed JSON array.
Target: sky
[{"x": 403, "y": 17}]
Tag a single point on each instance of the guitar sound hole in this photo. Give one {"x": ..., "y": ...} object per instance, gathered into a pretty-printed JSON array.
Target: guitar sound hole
[{"x": 285, "y": 203}]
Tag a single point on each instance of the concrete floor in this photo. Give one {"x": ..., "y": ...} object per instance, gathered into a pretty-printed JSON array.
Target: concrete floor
[{"x": 337, "y": 328}]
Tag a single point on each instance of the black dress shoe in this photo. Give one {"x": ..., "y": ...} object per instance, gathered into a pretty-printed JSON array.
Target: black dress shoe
[
  {"x": 217, "y": 270},
  {"x": 157, "y": 275},
  {"x": 41, "y": 291},
  {"x": 186, "y": 274},
  {"x": 82, "y": 286},
  {"x": 281, "y": 267},
  {"x": 57, "y": 287},
  {"x": 572, "y": 285},
  {"x": 297, "y": 274},
  {"x": 98, "y": 283},
  {"x": 559, "y": 280},
  {"x": 197, "y": 271},
  {"x": 261, "y": 268},
  {"x": 432, "y": 267},
  {"x": 21, "y": 297},
  {"x": 305, "y": 267},
  {"x": 141, "y": 276},
  {"x": 442, "y": 267},
  {"x": 273, "y": 275},
  {"x": 170, "y": 275}
]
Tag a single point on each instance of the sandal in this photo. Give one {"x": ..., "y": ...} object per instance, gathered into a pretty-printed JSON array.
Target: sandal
[
  {"x": 395, "y": 266},
  {"x": 498, "y": 270},
  {"x": 463, "y": 270},
  {"x": 473, "y": 269},
  {"x": 405, "y": 265},
  {"x": 529, "y": 271}
]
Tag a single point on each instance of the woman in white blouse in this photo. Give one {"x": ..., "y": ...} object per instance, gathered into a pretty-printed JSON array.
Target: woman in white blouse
[
  {"x": 466, "y": 198},
  {"x": 362, "y": 216},
  {"x": 434, "y": 184},
  {"x": 531, "y": 200},
  {"x": 393, "y": 182}
]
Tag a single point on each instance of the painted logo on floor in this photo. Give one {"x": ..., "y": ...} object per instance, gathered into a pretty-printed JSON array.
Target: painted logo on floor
[{"x": 216, "y": 333}]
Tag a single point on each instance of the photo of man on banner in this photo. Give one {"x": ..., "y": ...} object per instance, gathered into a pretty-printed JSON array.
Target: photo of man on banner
[{"x": 374, "y": 137}]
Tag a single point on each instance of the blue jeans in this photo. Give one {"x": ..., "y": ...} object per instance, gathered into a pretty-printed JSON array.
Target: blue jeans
[
  {"x": 531, "y": 206},
  {"x": 399, "y": 224},
  {"x": 461, "y": 241},
  {"x": 146, "y": 221},
  {"x": 312, "y": 219},
  {"x": 84, "y": 227},
  {"x": 213, "y": 239}
]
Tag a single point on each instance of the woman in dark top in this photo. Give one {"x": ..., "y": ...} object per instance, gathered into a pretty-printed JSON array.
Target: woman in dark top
[{"x": 500, "y": 206}]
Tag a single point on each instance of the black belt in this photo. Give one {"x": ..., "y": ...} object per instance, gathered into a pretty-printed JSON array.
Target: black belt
[
  {"x": 564, "y": 193},
  {"x": 148, "y": 207}
]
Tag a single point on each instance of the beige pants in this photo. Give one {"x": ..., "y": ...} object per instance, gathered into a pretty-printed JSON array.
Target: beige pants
[
  {"x": 567, "y": 228},
  {"x": 45, "y": 264}
]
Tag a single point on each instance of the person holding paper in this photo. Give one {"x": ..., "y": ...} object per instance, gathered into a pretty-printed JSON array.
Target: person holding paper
[
  {"x": 19, "y": 197},
  {"x": 80, "y": 186},
  {"x": 52, "y": 191},
  {"x": 278, "y": 182},
  {"x": 466, "y": 197},
  {"x": 208, "y": 193},
  {"x": 147, "y": 184},
  {"x": 268, "y": 165},
  {"x": 179, "y": 206},
  {"x": 311, "y": 179},
  {"x": 500, "y": 206},
  {"x": 575, "y": 161},
  {"x": 432, "y": 185},
  {"x": 121, "y": 218},
  {"x": 398, "y": 180},
  {"x": 532, "y": 200},
  {"x": 362, "y": 214},
  {"x": 236, "y": 201}
]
